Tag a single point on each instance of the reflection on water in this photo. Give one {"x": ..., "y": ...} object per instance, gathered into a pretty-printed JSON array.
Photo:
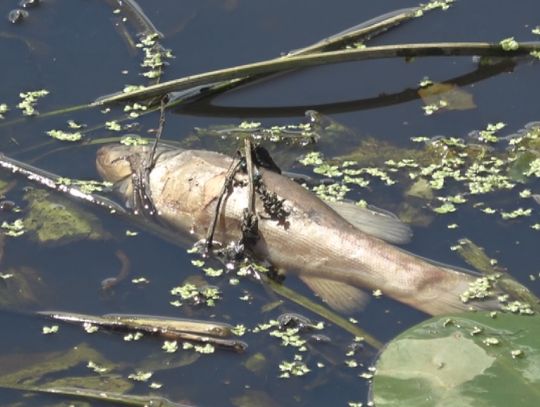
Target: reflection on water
[{"x": 79, "y": 50}]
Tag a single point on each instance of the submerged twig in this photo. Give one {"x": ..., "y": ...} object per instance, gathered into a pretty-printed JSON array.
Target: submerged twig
[
  {"x": 108, "y": 283},
  {"x": 361, "y": 32},
  {"x": 49, "y": 180},
  {"x": 229, "y": 176},
  {"x": 332, "y": 57},
  {"x": 100, "y": 395},
  {"x": 141, "y": 173},
  {"x": 168, "y": 328},
  {"x": 250, "y": 229},
  {"x": 351, "y": 36},
  {"x": 248, "y": 148},
  {"x": 159, "y": 132}
]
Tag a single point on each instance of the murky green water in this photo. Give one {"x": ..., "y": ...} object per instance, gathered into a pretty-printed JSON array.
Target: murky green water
[{"x": 73, "y": 49}]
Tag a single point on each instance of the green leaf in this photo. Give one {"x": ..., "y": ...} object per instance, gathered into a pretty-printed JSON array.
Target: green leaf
[{"x": 475, "y": 360}]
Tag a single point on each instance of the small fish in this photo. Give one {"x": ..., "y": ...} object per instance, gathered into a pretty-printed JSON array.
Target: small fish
[{"x": 336, "y": 249}]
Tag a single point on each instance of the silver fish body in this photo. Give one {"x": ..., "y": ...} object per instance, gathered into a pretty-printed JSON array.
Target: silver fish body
[{"x": 331, "y": 255}]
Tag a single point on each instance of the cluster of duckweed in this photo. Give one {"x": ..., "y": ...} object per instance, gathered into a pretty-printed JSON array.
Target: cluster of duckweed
[
  {"x": 134, "y": 110},
  {"x": 206, "y": 295},
  {"x": 72, "y": 134},
  {"x": 296, "y": 367},
  {"x": 509, "y": 44},
  {"x": 480, "y": 289},
  {"x": 536, "y": 31},
  {"x": 447, "y": 172},
  {"x": 86, "y": 186},
  {"x": 301, "y": 133},
  {"x": 50, "y": 330},
  {"x": 155, "y": 56},
  {"x": 29, "y": 100},
  {"x": 132, "y": 88},
  {"x": 133, "y": 140},
  {"x": 434, "y": 4},
  {"x": 3, "y": 109},
  {"x": 113, "y": 125},
  {"x": 13, "y": 229},
  {"x": 62, "y": 135}
]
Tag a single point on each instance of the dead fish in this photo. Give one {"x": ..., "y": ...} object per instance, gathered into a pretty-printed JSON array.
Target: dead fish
[{"x": 336, "y": 249}]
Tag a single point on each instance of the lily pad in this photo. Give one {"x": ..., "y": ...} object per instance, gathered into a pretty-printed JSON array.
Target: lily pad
[
  {"x": 467, "y": 360},
  {"x": 55, "y": 220}
]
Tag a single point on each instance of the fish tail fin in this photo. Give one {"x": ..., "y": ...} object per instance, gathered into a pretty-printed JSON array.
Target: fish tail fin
[{"x": 457, "y": 293}]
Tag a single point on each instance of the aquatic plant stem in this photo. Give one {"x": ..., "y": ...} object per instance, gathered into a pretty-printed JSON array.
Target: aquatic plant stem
[
  {"x": 234, "y": 167},
  {"x": 477, "y": 258},
  {"x": 97, "y": 395},
  {"x": 360, "y": 32},
  {"x": 322, "y": 311},
  {"x": 64, "y": 110},
  {"x": 351, "y": 36},
  {"x": 331, "y": 57}
]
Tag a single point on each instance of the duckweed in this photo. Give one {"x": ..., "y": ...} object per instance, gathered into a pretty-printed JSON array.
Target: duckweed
[
  {"x": 29, "y": 100},
  {"x": 509, "y": 44}
]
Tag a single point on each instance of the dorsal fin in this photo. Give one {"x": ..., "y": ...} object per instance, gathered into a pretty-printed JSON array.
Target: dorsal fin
[{"x": 374, "y": 222}]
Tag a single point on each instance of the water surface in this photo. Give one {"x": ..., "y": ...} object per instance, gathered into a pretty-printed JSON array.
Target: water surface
[{"x": 72, "y": 49}]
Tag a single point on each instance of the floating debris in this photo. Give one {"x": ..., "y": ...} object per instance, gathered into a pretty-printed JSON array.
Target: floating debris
[
  {"x": 29, "y": 3},
  {"x": 172, "y": 329},
  {"x": 17, "y": 16}
]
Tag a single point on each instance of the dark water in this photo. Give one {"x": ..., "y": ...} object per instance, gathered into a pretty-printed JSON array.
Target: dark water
[{"x": 72, "y": 49}]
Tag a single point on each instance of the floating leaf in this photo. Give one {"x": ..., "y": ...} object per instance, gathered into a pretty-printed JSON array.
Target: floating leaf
[
  {"x": 256, "y": 363},
  {"x": 467, "y": 360},
  {"x": 453, "y": 97},
  {"x": 56, "y": 220}
]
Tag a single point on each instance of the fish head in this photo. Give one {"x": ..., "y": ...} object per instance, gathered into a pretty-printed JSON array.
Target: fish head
[{"x": 115, "y": 162}]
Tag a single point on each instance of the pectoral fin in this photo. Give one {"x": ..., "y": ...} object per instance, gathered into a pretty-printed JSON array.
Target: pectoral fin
[
  {"x": 375, "y": 222},
  {"x": 124, "y": 188},
  {"x": 339, "y": 296}
]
